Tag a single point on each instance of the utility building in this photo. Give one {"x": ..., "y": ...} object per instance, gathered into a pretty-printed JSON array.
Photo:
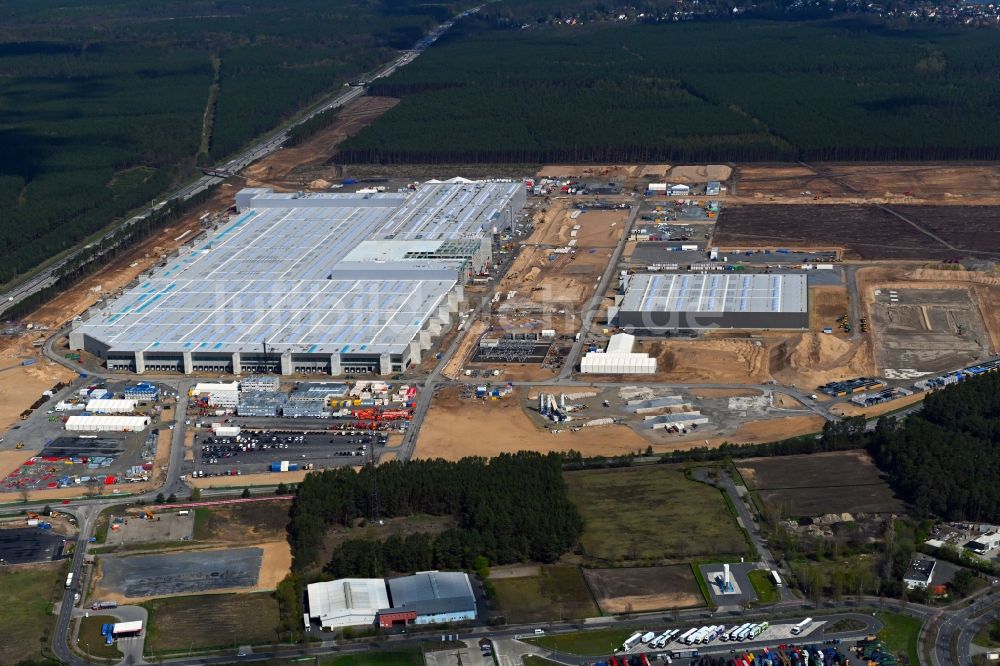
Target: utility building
[
  {"x": 309, "y": 283},
  {"x": 656, "y": 303}
]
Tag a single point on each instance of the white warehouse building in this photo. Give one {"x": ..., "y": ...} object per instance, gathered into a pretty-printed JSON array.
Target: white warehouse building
[
  {"x": 618, "y": 359},
  {"x": 309, "y": 283},
  {"x": 346, "y": 602}
]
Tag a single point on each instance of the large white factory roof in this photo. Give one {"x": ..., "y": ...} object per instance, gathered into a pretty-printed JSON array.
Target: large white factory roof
[
  {"x": 279, "y": 272},
  {"x": 713, "y": 292},
  {"x": 347, "y": 602}
]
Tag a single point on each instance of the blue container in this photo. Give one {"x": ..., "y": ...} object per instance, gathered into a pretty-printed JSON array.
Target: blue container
[{"x": 275, "y": 467}]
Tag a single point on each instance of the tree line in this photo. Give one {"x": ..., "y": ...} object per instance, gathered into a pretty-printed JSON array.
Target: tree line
[
  {"x": 507, "y": 509},
  {"x": 852, "y": 88}
]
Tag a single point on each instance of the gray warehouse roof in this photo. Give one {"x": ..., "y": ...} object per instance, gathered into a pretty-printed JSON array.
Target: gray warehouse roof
[
  {"x": 725, "y": 292},
  {"x": 432, "y": 592},
  {"x": 277, "y": 273}
]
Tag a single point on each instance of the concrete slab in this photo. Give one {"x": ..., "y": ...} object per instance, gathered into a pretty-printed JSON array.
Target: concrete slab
[{"x": 177, "y": 573}]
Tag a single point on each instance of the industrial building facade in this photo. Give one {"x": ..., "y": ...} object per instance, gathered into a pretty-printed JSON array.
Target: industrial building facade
[
  {"x": 656, "y": 302},
  {"x": 309, "y": 283}
]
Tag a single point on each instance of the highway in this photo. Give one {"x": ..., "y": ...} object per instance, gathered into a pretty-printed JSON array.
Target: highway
[{"x": 49, "y": 275}]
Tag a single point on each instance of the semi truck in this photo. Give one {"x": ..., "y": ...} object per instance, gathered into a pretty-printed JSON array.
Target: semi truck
[
  {"x": 801, "y": 626},
  {"x": 731, "y": 636},
  {"x": 759, "y": 629},
  {"x": 683, "y": 638},
  {"x": 632, "y": 641},
  {"x": 104, "y": 605}
]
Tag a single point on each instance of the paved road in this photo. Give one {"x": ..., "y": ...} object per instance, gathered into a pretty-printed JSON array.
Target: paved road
[{"x": 594, "y": 306}]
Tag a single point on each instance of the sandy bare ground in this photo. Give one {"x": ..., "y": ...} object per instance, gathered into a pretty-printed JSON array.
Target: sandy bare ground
[
  {"x": 21, "y": 385},
  {"x": 465, "y": 349},
  {"x": 700, "y": 173},
  {"x": 649, "y": 602},
  {"x": 785, "y": 401},
  {"x": 456, "y": 428},
  {"x": 756, "y": 432},
  {"x": 851, "y": 409},
  {"x": 305, "y": 166},
  {"x": 724, "y": 361},
  {"x": 874, "y": 183},
  {"x": 826, "y": 303},
  {"x": 612, "y": 172}
]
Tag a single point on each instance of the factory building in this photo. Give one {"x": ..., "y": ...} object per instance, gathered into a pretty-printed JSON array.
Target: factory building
[
  {"x": 309, "y": 283},
  {"x": 655, "y": 303},
  {"x": 346, "y": 602},
  {"x": 429, "y": 597},
  {"x": 217, "y": 394}
]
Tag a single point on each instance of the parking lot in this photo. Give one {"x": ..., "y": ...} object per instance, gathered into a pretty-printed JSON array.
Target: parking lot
[
  {"x": 254, "y": 451},
  {"x": 29, "y": 544}
]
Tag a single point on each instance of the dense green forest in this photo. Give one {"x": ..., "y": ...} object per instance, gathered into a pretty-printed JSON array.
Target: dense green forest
[
  {"x": 102, "y": 103},
  {"x": 944, "y": 460},
  {"x": 850, "y": 88},
  {"x": 507, "y": 509}
]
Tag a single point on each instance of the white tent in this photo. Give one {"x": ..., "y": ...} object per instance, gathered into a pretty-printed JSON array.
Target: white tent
[{"x": 81, "y": 423}]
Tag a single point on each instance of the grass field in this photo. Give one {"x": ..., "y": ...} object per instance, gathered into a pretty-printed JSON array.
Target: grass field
[
  {"x": 25, "y": 597},
  {"x": 535, "y": 660},
  {"x": 900, "y": 635},
  {"x": 557, "y": 592},
  {"x": 767, "y": 593},
  {"x": 91, "y": 641},
  {"x": 388, "y": 658},
  {"x": 585, "y": 643},
  {"x": 651, "y": 514},
  {"x": 179, "y": 623}
]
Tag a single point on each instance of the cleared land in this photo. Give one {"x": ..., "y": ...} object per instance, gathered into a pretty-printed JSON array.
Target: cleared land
[
  {"x": 554, "y": 593},
  {"x": 144, "y": 576},
  {"x": 25, "y": 595},
  {"x": 862, "y": 231},
  {"x": 242, "y": 523},
  {"x": 651, "y": 515},
  {"x": 888, "y": 182},
  {"x": 635, "y": 590},
  {"x": 821, "y": 483},
  {"x": 455, "y": 428},
  {"x": 182, "y": 623}
]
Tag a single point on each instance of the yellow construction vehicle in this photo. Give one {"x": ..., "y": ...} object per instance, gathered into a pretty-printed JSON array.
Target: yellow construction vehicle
[{"x": 20, "y": 445}]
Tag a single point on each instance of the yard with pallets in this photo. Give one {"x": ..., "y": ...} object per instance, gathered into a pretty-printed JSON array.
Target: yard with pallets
[
  {"x": 551, "y": 593},
  {"x": 821, "y": 483},
  {"x": 26, "y": 595},
  {"x": 651, "y": 515},
  {"x": 210, "y": 621}
]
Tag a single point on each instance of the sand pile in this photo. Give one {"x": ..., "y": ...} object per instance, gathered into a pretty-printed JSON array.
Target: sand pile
[
  {"x": 818, "y": 358},
  {"x": 320, "y": 184}
]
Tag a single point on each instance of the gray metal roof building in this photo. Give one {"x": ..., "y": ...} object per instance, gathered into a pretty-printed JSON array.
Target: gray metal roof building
[
  {"x": 435, "y": 596},
  {"x": 659, "y": 302},
  {"x": 333, "y": 283}
]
